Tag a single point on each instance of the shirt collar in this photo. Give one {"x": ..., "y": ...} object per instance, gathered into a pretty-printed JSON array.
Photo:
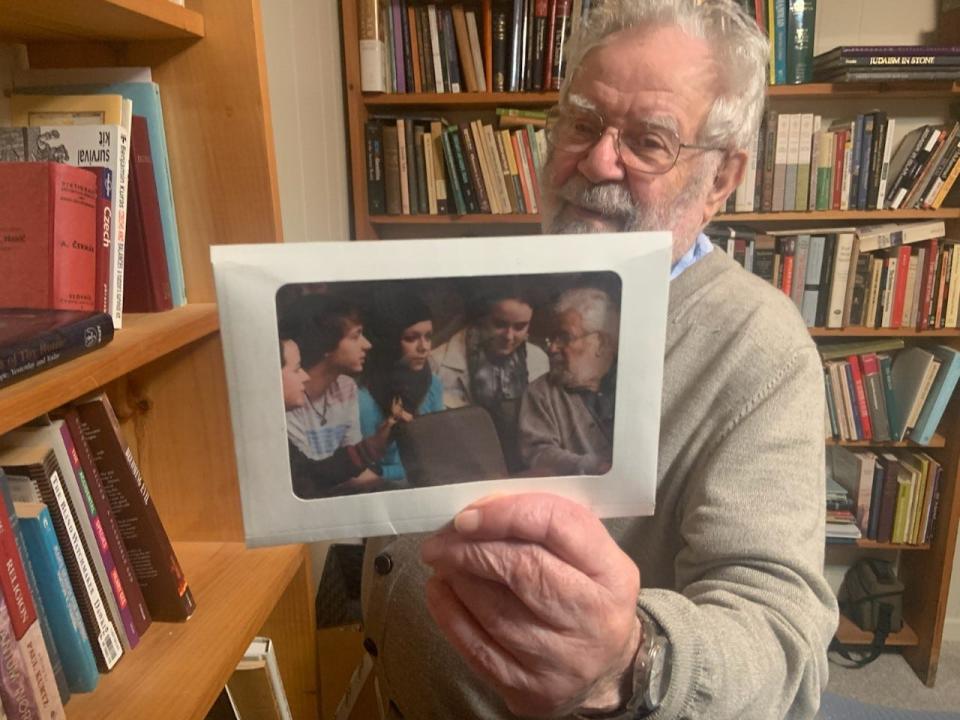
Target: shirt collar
[{"x": 700, "y": 249}]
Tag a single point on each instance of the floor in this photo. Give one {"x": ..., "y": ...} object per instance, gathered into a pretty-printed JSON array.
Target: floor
[{"x": 889, "y": 681}]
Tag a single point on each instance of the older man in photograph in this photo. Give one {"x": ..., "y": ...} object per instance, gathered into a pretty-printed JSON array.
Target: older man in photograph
[
  {"x": 566, "y": 417},
  {"x": 715, "y": 607}
]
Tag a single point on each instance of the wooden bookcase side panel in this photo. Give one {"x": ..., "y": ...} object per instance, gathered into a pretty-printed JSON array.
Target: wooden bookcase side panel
[{"x": 356, "y": 118}]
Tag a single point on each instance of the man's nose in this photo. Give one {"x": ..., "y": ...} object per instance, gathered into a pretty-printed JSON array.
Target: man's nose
[{"x": 602, "y": 162}]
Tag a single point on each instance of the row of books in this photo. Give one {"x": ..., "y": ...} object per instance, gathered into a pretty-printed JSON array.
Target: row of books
[
  {"x": 880, "y": 391},
  {"x": 103, "y": 238},
  {"x": 888, "y": 497},
  {"x": 87, "y": 564},
  {"x": 886, "y": 276},
  {"x": 408, "y": 47},
  {"x": 798, "y": 165},
  {"x": 789, "y": 26},
  {"x": 881, "y": 63},
  {"x": 428, "y": 166}
]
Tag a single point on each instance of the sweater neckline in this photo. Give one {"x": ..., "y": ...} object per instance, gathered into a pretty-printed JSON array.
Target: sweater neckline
[{"x": 689, "y": 285}]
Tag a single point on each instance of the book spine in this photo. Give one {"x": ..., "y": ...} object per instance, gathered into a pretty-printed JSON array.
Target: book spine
[
  {"x": 404, "y": 167},
  {"x": 158, "y": 571},
  {"x": 799, "y": 41},
  {"x": 463, "y": 173},
  {"x": 476, "y": 54},
  {"x": 500, "y": 76},
  {"x": 463, "y": 48},
  {"x": 16, "y": 596},
  {"x": 412, "y": 174},
  {"x": 376, "y": 191},
  {"x": 860, "y": 393},
  {"x": 102, "y": 262},
  {"x": 60, "y": 602},
  {"x": 769, "y": 160},
  {"x": 22, "y": 359},
  {"x": 561, "y": 33},
  {"x": 40, "y": 674},
  {"x": 120, "y": 215},
  {"x": 391, "y": 170},
  {"x": 397, "y": 27},
  {"x": 452, "y": 174},
  {"x": 407, "y": 50},
  {"x": 515, "y": 56},
  {"x": 474, "y": 166},
  {"x": 423, "y": 198},
  {"x": 16, "y": 693},
  {"x": 416, "y": 52},
  {"x": 541, "y": 12},
  {"x": 780, "y": 42},
  {"x": 371, "y": 47},
  {"x": 450, "y": 48}
]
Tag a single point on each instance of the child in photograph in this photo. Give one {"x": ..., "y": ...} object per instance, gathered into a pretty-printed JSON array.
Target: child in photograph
[
  {"x": 398, "y": 370},
  {"x": 293, "y": 377},
  {"x": 328, "y": 455}
]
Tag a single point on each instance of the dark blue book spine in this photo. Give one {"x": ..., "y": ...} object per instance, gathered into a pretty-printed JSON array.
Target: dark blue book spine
[{"x": 780, "y": 41}]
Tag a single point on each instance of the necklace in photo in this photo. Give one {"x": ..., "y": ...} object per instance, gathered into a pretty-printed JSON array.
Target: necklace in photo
[{"x": 321, "y": 413}]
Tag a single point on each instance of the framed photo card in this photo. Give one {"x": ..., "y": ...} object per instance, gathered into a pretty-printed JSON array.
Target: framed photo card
[{"x": 380, "y": 387}]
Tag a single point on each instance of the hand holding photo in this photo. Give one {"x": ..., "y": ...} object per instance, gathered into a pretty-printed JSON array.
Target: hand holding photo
[{"x": 368, "y": 398}]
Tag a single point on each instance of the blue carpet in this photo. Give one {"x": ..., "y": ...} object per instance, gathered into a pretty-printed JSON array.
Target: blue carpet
[{"x": 835, "y": 707}]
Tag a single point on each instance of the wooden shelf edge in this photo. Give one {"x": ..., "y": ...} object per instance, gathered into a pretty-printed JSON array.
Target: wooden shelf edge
[
  {"x": 854, "y": 332},
  {"x": 937, "y": 441},
  {"x": 459, "y": 100},
  {"x": 473, "y": 219},
  {"x": 853, "y": 90},
  {"x": 841, "y": 216},
  {"x": 110, "y": 20},
  {"x": 235, "y": 590},
  {"x": 143, "y": 339},
  {"x": 849, "y": 634}
]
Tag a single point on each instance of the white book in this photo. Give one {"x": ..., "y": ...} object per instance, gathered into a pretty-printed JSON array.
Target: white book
[
  {"x": 490, "y": 142},
  {"x": 847, "y": 168},
  {"x": 780, "y": 164},
  {"x": 909, "y": 296},
  {"x": 809, "y": 123},
  {"x": 793, "y": 163},
  {"x": 879, "y": 237},
  {"x": 873, "y": 295},
  {"x": 952, "y": 299},
  {"x": 838, "y": 285},
  {"x": 435, "y": 43},
  {"x": 372, "y": 47},
  {"x": 811, "y": 287},
  {"x": 475, "y": 50},
  {"x": 885, "y": 167},
  {"x": 489, "y": 181},
  {"x": 893, "y": 263}
]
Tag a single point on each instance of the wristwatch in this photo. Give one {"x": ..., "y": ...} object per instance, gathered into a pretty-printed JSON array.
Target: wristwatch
[{"x": 651, "y": 669}]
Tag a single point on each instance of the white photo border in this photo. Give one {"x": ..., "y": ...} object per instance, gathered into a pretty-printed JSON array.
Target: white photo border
[{"x": 247, "y": 279}]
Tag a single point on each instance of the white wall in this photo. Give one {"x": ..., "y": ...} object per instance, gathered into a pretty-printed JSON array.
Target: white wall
[{"x": 304, "y": 74}]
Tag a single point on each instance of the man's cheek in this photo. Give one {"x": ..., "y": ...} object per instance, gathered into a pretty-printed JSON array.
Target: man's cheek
[{"x": 560, "y": 168}]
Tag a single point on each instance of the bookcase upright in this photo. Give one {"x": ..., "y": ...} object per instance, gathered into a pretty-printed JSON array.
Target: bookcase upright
[
  {"x": 164, "y": 372},
  {"x": 924, "y": 569}
]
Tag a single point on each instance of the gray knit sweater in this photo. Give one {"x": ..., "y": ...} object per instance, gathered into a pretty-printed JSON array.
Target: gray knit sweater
[{"x": 731, "y": 563}]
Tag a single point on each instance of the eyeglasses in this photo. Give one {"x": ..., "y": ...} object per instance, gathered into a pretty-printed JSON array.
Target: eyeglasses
[
  {"x": 562, "y": 340},
  {"x": 645, "y": 148}
]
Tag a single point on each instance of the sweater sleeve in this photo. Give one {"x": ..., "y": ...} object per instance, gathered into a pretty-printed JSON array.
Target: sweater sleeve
[
  {"x": 318, "y": 478},
  {"x": 753, "y": 617}
]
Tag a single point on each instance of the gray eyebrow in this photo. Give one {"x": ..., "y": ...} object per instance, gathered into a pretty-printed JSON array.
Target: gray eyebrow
[{"x": 661, "y": 122}]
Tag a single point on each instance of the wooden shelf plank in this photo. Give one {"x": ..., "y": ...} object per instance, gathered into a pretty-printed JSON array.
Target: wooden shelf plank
[
  {"x": 475, "y": 219},
  {"x": 178, "y": 669},
  {"x": 850, "y": 634},
  {"x": 113, "y": 20},
  {"x": 460, "y": 101},
  {"x": 840, "y": 216},
  {"x": 142, "y": 339},
  {"x": 854, "y": 332},
  {"x": 937, "y": 441},
  {"x": 874, "y": 545},
  {"x": 902, "y": 89}
]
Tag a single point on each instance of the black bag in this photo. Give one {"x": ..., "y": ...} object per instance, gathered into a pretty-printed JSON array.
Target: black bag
[{"x": 871, "y": 595}]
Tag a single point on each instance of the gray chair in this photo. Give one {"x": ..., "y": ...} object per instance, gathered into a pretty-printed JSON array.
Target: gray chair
[{"x": 452, "y": 446}]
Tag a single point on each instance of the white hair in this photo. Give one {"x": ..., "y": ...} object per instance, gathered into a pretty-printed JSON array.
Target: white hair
[
  {"x": 740, "y": 50},
  {"x": 595, "y": 308}
]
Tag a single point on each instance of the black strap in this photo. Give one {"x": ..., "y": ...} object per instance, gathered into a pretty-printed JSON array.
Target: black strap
[{"x": 859, "y": 656}]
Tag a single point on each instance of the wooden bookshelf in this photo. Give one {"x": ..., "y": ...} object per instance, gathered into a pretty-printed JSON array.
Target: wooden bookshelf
[
  {"x": 849, "y": 634},
  {"x": 874, "y": 545},
  {"x": 927, "y": 575},
  {"x": 937, "y": 441},
  {"x": 164, "y": 372},
  {"x": 106, "y": 20}
]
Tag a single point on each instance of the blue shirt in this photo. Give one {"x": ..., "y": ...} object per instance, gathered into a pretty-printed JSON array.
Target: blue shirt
[{"x": 700, "y": 249}]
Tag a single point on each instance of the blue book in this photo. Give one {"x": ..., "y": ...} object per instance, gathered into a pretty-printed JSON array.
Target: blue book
[
  {"x": 145, "y": 97},
  {"x": 63, "y": 687},
  {"x": 57, "y": 597},
  {"x": 866, "y": 150},
  {"x": 940, "y": 393},
  {"x": 780, "y": 42}
]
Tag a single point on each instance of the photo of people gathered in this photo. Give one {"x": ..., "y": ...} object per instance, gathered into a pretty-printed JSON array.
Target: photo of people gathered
[{"x": 398, "y": 384}]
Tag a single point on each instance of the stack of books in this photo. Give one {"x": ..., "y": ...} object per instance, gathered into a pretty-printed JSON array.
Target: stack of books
[
  {"x": 427, "y": 166},
  {"x": 895, "y": 495},
  {"x": 841, "y": 521},
  {"x": 87, "y": 563},
  {"x": 878, "y": 63},
  {"x": 884, "y": 276},
  {"x": 798, "y": 164}
]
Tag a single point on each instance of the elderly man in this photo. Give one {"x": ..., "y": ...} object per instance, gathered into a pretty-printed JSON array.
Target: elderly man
[
  {"x": 716, "y": 606},
  {"x": 566, "y": 417}
]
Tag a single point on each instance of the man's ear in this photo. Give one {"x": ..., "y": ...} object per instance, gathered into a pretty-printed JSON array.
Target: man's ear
[{"x": 727, "y": 178}]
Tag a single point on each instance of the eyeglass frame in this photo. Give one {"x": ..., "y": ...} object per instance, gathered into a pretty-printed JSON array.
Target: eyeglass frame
[
  {"x": 551, "y": 341},
  {"x": 555, "y": 112}
]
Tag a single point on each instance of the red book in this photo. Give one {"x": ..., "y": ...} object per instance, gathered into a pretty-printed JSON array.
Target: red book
[
  {"x": 146, "y": 285},
  {"x": 787, "y": 250},
  {"x": 900, "y": 285},
  {"x": 13, "y": 578},
  {"x": 104, "y": 212},
  {"x": 840, "y": 146},
  {"x": 862, "y": 410},
  {"x": 518, "y": 153},
  {"x": 548, "y": 51},
  {"x": 47, "y": 241},
  {"x": 929, "y": 271}
]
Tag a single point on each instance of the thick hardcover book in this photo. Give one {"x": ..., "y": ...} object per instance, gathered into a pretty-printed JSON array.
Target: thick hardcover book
[
  {"x": 423, "y": 197},
  {"x": 376, "y": 191},
  {"x": 541, "y": 13},
  {"x": 146, "y": 286},
  {"x": 463, "y": 48},
  {"x": 391, "y": 170},
  {"x": 500, "y": 54},
  {"x": 800, "y": 24},
  {"x": 473, "y": 165},
  {"x": 876, "y": 402},
  {"x": 440, "y": 169},
  {"x": 59, "y": 675},
  {"x": 33, "y": 340},
  {"x": 92, "y": 146},
  {"x": 158, "y": 571},
  {"x": 16, "y": 693},
  {"x": 57, "y": 597},
  {"x": 515, "y": 58},
  {"x": 416, "y": 52},
  {"x": 450, "y": 48},
  {"x": 129, "y": 587},
  {"x": 473, "y": 32},
  {"x": 779, "y": 54},
  {"x": 453, "y": 174},
  {"x": 407, "y": 50},
  {"x": 561, "y": 32},
  {"x": 48, "y": 236},
  {"x": 939, "y": 396},
  {"x": 39, "y": 466},
  {"x": 372, "y": 47},
  {"x": 463, "y": 172}
]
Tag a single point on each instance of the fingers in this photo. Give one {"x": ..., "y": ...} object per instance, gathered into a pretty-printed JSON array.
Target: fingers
[{"x": 567, "y": 529}]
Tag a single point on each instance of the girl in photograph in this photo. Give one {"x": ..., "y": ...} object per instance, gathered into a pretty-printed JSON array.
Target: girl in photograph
[
  {"x": 398, "y": 372},
  {"x": 328, "y": 455}
]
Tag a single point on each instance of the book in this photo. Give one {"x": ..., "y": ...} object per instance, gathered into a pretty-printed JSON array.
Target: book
[
  {"x": 940, "y": 393},
  {"x": 34, "y": 340},
  {"x": 372, "y": 47},
  {"x": 48, "y": 239},
  {"x": 41, "y": 110},
  {"x": 801, "y": 20},
  {"x": 158, "y": 571},
  {"x": 57, "y": 597},
  {"x": 146, "y": 286},
  {"x": 91, "y": 146},
  {"x": 256, "y": 686},
  {"x": 16, "y": 694},
  {"x": 913, "y": 373},
  {"x": 38, "y": 465}
]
